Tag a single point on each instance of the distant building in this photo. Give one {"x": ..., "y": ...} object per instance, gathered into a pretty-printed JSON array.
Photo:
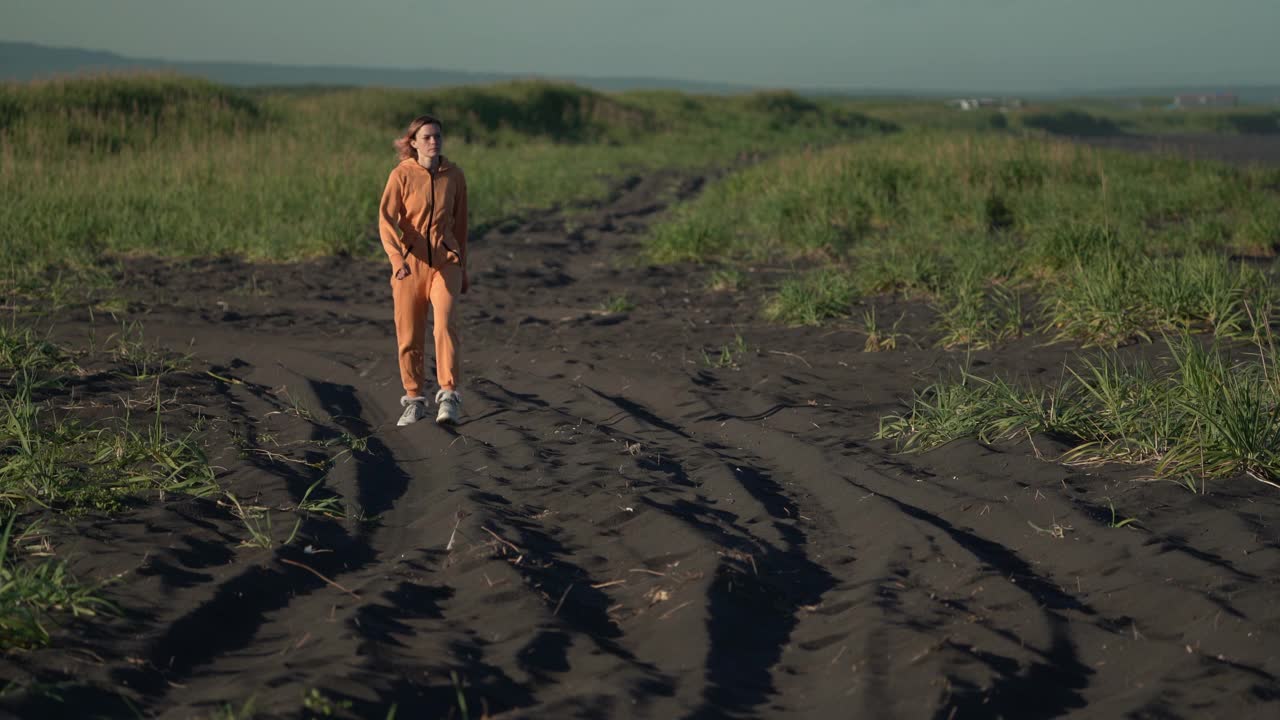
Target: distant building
[
  {"x": 985, "y": 102},
  {"x": 1206, "y": 100}
]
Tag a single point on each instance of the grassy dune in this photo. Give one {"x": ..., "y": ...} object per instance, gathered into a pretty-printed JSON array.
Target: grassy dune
[
  {"x": 180, "y": 167},
  {"x": 1004, "y": 236},
  {"x": 1113, "y": 245}
]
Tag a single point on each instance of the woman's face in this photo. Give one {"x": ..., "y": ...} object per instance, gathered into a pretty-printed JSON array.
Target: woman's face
[{"x": 428, "y": 141}]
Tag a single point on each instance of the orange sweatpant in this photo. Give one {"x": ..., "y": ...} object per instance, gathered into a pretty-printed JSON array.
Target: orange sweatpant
[{"x": 439, "y": 287}]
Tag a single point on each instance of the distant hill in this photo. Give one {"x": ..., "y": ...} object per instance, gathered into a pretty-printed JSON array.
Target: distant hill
[
  {"x": 26, "y": 61},
  {"x": 29, "y": 61}
]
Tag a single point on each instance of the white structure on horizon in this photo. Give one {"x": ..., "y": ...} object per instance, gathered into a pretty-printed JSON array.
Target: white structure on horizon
[
  {"x": 1206, "y": 100},
  {"x": 985, "y": 102}
]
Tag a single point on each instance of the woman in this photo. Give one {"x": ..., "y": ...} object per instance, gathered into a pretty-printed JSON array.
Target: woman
[{"x": 423, "y": 223}]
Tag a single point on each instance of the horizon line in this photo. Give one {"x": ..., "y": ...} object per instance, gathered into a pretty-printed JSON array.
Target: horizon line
[{"x": 886, "y": 90}]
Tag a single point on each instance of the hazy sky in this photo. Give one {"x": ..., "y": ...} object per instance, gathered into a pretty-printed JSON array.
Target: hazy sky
[{"x": 911, "y": 44}]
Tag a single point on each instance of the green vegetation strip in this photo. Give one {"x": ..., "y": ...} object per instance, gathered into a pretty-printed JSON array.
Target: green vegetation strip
[
  {"x": 172, "y": 166},
  {"x": 1113, "y": 245},
  {"x": 1202, "y": 416},
  {"x": 1083, "y": 117}
]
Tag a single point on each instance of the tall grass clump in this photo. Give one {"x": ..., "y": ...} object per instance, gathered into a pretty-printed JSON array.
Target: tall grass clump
[
  {"x": 977, "y": 316},
  {"x": 1201, "y": 414},
  {"x": 1116, "y": 296},
  {"x": 23, "y": 353},
  {"x": 810, "y": 298},
  {"x": 58, "y": 463},
  {"x": 31, "y": 592}
]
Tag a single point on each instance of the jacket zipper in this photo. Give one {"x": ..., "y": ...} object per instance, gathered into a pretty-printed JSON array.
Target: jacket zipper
[{"x": 431, "y": 215}]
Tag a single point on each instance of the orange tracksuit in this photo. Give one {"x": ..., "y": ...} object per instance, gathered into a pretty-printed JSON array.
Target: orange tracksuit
[{"x": 429, "y": 209}]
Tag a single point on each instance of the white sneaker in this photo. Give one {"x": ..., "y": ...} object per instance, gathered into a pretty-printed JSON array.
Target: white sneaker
[
  {"x": 450, "y": 407},
  {"x": 415, "y": 408}
]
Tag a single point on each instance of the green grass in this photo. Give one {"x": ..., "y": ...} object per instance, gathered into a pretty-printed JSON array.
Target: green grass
[
  {"x": 726, "y": 280},
  {"x": 53, "y": 462},
  {"x": 24, "y": 353},
  {"x": 31, "y": 592},
  {"x": 1117, "y": 296},
  {"x": 229, "y": 711},
  {"x": 973, "y": 315},
  {"x": 258, "y": 525},
  {"x": 140, "y": 360},
  {"x": 1002, "y": 234},
  {"x": 727, "y": 356},
  {"x": 112, "y": 113},
  {"x": 64, "y": 453},
  {"x": 618, "y": 304},
  {"x": 323, "y": 705},
  {"x": 880, "y": 339},
  {"x": 50, "y": 459},
  {"x": 179, "y": 167},
  {"x": 810, "y": 298},
  {"x": 1199, "y": 415},
  {"x": 57, "y": 462}
]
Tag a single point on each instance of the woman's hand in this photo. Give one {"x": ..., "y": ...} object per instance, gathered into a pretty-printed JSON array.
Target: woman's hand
[{"x": 403, "y": 272}]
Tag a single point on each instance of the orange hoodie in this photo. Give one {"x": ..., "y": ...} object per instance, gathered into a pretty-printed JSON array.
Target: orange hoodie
[{"x": 430, "y": 211}]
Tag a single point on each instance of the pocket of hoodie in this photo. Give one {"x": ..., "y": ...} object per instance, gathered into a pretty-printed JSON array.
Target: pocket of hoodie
[{"x": 451, "y": 254}]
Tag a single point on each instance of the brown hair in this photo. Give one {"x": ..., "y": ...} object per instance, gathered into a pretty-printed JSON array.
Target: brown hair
[{"x": 406, "y": 151}]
